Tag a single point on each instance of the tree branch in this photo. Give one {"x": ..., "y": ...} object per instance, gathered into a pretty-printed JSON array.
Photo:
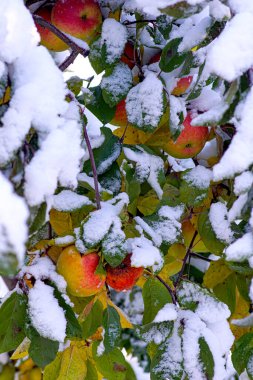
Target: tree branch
[
  {"x": 188, "y": 253},
  {"x": 93, "y": 166},
  {"x": 70, "y": 42},
  {"x": 70, "y": 59},
  {"x": 137, "y": 22},
  {"x": 172, "y": 294}
]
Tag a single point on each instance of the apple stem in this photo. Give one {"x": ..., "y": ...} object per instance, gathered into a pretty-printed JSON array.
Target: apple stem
[
  {"x": 46, "y": 24},
  {"x": 70, "y": 59},
  {"x": 188, "y": 253}
]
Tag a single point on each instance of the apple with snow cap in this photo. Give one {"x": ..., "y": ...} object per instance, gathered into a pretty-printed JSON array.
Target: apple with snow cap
[
  {"x": 79, "y": 18},
  {"x": 48, "y": 38},
  {"x": 124, "y": 276},
  {"x": 79, "y": 272},
  {"x": 190, "y": 141}
]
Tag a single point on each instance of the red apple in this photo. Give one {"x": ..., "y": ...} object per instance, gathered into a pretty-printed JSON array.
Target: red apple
[
  {"x": 79, "y": 272},
  {"x": 129, "y": 55},
  {"x": 190, "y": 141},
  {"x": 49, "y": 39},
  {"x": 182, "y": 85},
  {"x": 123, "y": 277},
  {"x": 79, "y": 18},
  {"x": 120, "y": 117},
  {"x": 155, "y": 58}
]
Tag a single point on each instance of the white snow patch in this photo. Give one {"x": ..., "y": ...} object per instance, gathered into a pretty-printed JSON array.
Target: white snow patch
[
  {"x": 114, "y": 36},
  {"x": 218, "y": 216},
  {"x": 167, "y": 313},
  {"x": 68, "y": 200},
  {"x": 46, "y": 315}
]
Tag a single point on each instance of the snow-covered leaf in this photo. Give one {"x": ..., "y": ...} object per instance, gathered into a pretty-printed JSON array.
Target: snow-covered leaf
[{"x": 116, "y": 83}]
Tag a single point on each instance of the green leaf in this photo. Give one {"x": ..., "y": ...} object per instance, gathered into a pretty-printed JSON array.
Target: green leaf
[
  {"x": 133, "y": 187},
  {"x": 39, "y": 218},
  {"x": 75, "y": 84},
  {"x": 97, "y": 56},
  {"x": 91, "y": 371},
  {"x": 8, "y": 264},
  {"x": 41, "y": 350},
  {"x": 111, "y": 323},
  {"x": 190, "y": 194},
  {"x": 155, "y": 296},
  {"x": 170, "y": 58},
  {"x": 114, "y": 247},
  {"x": 208, "y": 235},
  {"x": 178, "y": 10},
  {"x": 226, "y": 291},
  {"x": 98, "y": 106},
  {"x": 116, "y": 83},
  {"x": 206, "y": 358},
  {"x": 111, "y": 179},
  {"x": 112, "y": 365},
  {"x": 106, "y": 154},
  {"x": 243, "y": 351},
  {"x": 153, "y": 332},
  {"x": 52, "y": 370},
  {"x": 7, "y": 372},
  {"x": 93, "y": 320},
  {"x": 12, "y": 322},
  {"x": 73, "y": 329}
]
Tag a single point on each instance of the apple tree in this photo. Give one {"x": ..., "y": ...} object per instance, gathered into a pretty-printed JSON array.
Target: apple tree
[{"x": 132, "y": 242}]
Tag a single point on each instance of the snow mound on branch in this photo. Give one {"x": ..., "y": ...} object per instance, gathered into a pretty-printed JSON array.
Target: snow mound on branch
[
  {"x": 46, "y": 315},
  {"x": 233, "y": 161},
  {"x": 13, "y": 236},
  {"x": 219, "y": 220},
  {"x": 238, "y": 6},
  {"x": 223, "y": 58},
  {"x": 38, "y": 101},
  {"x": 199, "y": 177},
  {"x": 167, "y": 313},
  {"x": 243, "y": 183}
]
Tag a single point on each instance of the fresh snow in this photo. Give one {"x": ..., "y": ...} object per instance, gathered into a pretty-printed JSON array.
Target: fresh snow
[
  {"x": 148, "y": 167},
  {"x": 144, "y": 253},
  {"x": 68, "y": 200},
  {"x": 114, "y": 36},
  {"x": 243, "y": 183},
  {"x": 223, "y": 58},
  {"x": 144, "y": 102},
  {"x": 46, "y": 315},
  {"x": 199, "y": 177},
  {"x": 167, "y": 313},
  {"x": 218, "y": 216}
]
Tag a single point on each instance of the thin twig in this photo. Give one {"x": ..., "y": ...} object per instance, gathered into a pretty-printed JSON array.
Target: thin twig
[
  {"x": 93, "y": 166},
  {"x": 193, "y": 254},
  {"x": 137, "y": 22},
  {"x": 188, "y": 253},
  {"x": 70, "y": 59},
  {"x": 165, "y": 284},
  {"x": 92, "y": 159},
  {"x": 70, "y": 42}
]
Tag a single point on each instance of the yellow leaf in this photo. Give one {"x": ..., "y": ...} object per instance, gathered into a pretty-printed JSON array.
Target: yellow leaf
[
  {"x": 7, "y": 95},
  {"x": 73, "y": 363},
  {"x": 54, "y": 253},
  {"x": 132, "y": 135},
  {"x": 61, "y": 222},
  {"x": 26, "y": 365},
  {"x": 216, "y": 274},
  {"x": 241, "y": 311},
  {"x": 148, "y": 203},
  {"x": 22, "y": 350},
  {"x": 124, "y": 321}
]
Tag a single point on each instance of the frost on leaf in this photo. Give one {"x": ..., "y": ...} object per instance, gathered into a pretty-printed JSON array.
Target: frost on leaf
[
  {"x": 114, "y": 37},
  {"x": 144, "y": 103},
  {"x": 148, "y": 167},
  {"x": 116, "y": 83},
  {"x": 164, "y": 227},
  {"x": 46, "y": 315}
]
